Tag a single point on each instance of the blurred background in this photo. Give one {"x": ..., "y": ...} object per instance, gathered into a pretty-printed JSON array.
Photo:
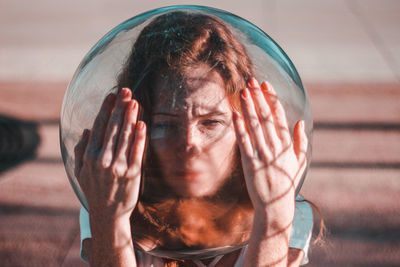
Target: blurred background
[{"x": 346, "y": 51}]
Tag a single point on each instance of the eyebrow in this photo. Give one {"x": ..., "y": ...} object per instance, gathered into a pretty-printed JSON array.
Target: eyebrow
[
  {"x": 165, "y": 114},
  {"x": 212, "y": 113}
]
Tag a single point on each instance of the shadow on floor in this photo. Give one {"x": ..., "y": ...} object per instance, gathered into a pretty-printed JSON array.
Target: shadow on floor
[{"x": 19, "y": 141}]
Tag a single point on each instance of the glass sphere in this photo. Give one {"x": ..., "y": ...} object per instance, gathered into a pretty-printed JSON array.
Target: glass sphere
[{"x": 175, "y": 218}]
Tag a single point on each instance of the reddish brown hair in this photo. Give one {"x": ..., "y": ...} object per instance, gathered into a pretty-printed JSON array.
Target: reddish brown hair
[
  {"x": 173, "y": 43},
  {"x": 177, "y": 41}
]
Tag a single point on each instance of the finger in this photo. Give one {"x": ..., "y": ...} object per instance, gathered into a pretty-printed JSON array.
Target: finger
[
  {"x": 252, "y": 123},
  {"x": 242, "y": 137},
  {"x": 79, "y": 151},
  {"x": 99, "y": 125},
  {"x": 278, "y": 113},
  {"x": 265, "y": 115},
  {"x": 300, "y": 141},
  {"x": 137, "y": 151},
  {"x": 126, "y": 133},
  {"x": 113, "y": 127},
  {"x": 300, "y": 144}
]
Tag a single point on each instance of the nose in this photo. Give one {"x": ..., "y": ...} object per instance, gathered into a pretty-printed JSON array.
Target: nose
[{"x": 190, "y": 141}]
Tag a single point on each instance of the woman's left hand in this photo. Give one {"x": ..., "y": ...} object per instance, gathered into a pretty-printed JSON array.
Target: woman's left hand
[{"x": 272, "y": 163}]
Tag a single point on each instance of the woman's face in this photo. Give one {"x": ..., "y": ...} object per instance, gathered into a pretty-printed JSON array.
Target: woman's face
[{"x": 192, "y": 134}]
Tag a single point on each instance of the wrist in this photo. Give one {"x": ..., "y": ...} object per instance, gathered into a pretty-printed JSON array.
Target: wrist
[
  {"x": 271, "y": 227},
  {"x": 112, "y": 243},
  {"x": 114, "y": 232},
  {"x": 275, "y": 216}
]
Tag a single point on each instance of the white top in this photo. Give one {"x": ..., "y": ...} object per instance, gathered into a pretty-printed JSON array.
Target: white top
[{"x": 299, "y": 238}]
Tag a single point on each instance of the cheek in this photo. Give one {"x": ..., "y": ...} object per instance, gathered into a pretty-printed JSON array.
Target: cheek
[
  {"x": 157, "y": 134},
  {"x": 162, "y": 149},
  {"x": 224, "y": 148}
]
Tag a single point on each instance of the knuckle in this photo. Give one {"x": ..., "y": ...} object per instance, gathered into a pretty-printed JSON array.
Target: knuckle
[
  {"x": 267, "y": 120},
  {"x": 254, "y": 123},
  {"x": 126, "y": 134},
  {"x": 258, "y": 93},
  {"x": 264, "y": 114},
  {"x": 104, "y": 159},
  {"x": 118, "y": 169},
  {"x": 134, "y": 170},
  {"x": 274, "y": 100},
  {"x": 242, "y": 135},
  {"x": 103, "y": 163},
  {"x": 96, "y": 162}
]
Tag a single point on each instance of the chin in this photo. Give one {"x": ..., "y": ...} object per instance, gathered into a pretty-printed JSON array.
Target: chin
[{"x": 194, "y": 189}]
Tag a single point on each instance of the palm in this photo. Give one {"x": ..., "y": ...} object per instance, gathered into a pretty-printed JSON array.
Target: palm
[{"x": 272, "y": 162}]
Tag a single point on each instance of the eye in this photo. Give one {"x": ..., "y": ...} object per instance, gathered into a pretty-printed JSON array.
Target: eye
[
  {"x": 164, "y": 125},
  {"x": 160, "y": 125},
  {"x": 211, "y": 123}
]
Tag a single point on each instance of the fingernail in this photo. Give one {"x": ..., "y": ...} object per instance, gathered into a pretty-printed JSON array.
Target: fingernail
[
  {"x": 245, "y": 93},
  {"x": 265, "y": 87},
  {"x": 124, "y": 92},
  {"x": 254, "y": 82},
  {"x": 140, "y": 125}
]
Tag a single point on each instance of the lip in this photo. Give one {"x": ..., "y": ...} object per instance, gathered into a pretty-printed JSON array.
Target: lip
[{"x": 187, "y": 174}]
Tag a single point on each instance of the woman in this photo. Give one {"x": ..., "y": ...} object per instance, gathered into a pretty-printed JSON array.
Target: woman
[{"x": 189, "y": 126}]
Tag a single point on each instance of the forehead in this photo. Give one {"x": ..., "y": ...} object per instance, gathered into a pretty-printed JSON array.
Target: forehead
[{"x": 199, "y": 87}]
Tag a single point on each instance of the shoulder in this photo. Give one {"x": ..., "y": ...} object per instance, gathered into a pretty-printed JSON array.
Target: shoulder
[
  {"x": 303, "y": 212},
  {"x": 85, "y": 233},
  {"x": 84, "y": 224}
]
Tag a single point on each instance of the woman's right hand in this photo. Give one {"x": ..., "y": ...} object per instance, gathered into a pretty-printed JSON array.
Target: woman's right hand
[{"x": 108, "y": 159}]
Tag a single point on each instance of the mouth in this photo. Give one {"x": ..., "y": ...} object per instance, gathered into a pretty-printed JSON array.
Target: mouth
[{"x": 187, "y": 174}]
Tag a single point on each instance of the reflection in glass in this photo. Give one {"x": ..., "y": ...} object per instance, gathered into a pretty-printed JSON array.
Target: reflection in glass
[{"x": 185, "y": 66}]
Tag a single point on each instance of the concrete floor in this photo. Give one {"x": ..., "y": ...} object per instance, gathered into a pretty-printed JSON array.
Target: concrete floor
[
  {"x": 342, "y": 40},
  {"x": 347, "y": 53}
]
